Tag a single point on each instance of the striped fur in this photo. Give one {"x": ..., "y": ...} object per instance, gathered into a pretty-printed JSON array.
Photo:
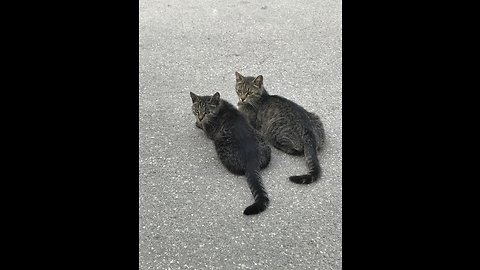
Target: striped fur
[
  {"x": 239, "y": 147},
  {"x": 283, "y": 123}
]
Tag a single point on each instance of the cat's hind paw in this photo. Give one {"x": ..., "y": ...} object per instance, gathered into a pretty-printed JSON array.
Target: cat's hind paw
[{"x": 302, "y": 179}]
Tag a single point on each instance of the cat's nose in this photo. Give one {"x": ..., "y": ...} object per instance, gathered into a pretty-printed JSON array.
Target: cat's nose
[
  {"x": 200, "y": 117},
  {"x": 242, "y": 99}
]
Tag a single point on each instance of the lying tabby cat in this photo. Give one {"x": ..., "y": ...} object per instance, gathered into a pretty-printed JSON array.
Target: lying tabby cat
[
  {"x": 285, "y": 124},
  {"x": 239, "y": 147}
]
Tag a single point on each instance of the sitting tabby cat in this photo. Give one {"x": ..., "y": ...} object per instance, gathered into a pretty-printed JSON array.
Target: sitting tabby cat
[
  {"x": 285, "y": 124},
  {"x": 239, "y": 147}
]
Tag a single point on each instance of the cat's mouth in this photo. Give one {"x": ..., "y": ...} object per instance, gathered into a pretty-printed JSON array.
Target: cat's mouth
[
  {"x": 201, "y": 119},
  {"x": 245, "y": 101}
]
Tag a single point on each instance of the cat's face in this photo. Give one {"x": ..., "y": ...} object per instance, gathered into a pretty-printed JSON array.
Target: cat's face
[
  {"x": 248, "y": 88},
  {"x": 204, "y": 107}
]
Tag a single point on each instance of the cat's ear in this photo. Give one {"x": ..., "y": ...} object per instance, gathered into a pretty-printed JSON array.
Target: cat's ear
[
  {"x": 258, "y": 82},
  {"x": 215, "y": 100},
  {"x": 194, "y": 97},
  {"x": 239, "y": 77}
]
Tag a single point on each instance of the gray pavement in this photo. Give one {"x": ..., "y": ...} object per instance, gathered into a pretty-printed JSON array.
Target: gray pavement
[{"x": 190, "y": 214}]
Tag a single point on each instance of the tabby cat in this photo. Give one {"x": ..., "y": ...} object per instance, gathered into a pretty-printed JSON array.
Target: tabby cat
[
  {"x": 239, "y": 147},
  {"x": 283, "y": 123}
]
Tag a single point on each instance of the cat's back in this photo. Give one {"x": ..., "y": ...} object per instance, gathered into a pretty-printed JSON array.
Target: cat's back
[
  {"x": 275, "y": 105},
  {"x": 231, "y": 116},
  {"x": 235, "y": 133},
  {"x": 234, "y": 122}
]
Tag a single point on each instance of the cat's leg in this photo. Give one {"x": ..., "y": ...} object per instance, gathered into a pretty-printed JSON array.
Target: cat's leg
[
  {"x": 311, "y": 158},
  {"x": 318, "y": 130},
  {"x": 280, "y": 133},
  {"x": 287, "y": 149},
  {"x": 287, "y": 145}
]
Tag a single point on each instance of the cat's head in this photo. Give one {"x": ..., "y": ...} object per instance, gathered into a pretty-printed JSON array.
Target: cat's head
[
  {"x": 205, "y": 107},
  {"x": 249, "y": 89}
]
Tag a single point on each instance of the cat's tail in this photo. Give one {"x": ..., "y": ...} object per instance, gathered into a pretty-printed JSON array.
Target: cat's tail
[
  {"x": 259, "y": 194},
  {"x": 310, "y": 152}
]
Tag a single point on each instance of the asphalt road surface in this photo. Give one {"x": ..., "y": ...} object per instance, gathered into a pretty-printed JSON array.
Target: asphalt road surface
[{"x": 191, "y": 207}]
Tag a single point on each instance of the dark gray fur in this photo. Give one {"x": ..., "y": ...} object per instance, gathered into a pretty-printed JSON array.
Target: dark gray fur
[
  {"x": 239, "y": 147},
  {"x": 284, "y": 124}
]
